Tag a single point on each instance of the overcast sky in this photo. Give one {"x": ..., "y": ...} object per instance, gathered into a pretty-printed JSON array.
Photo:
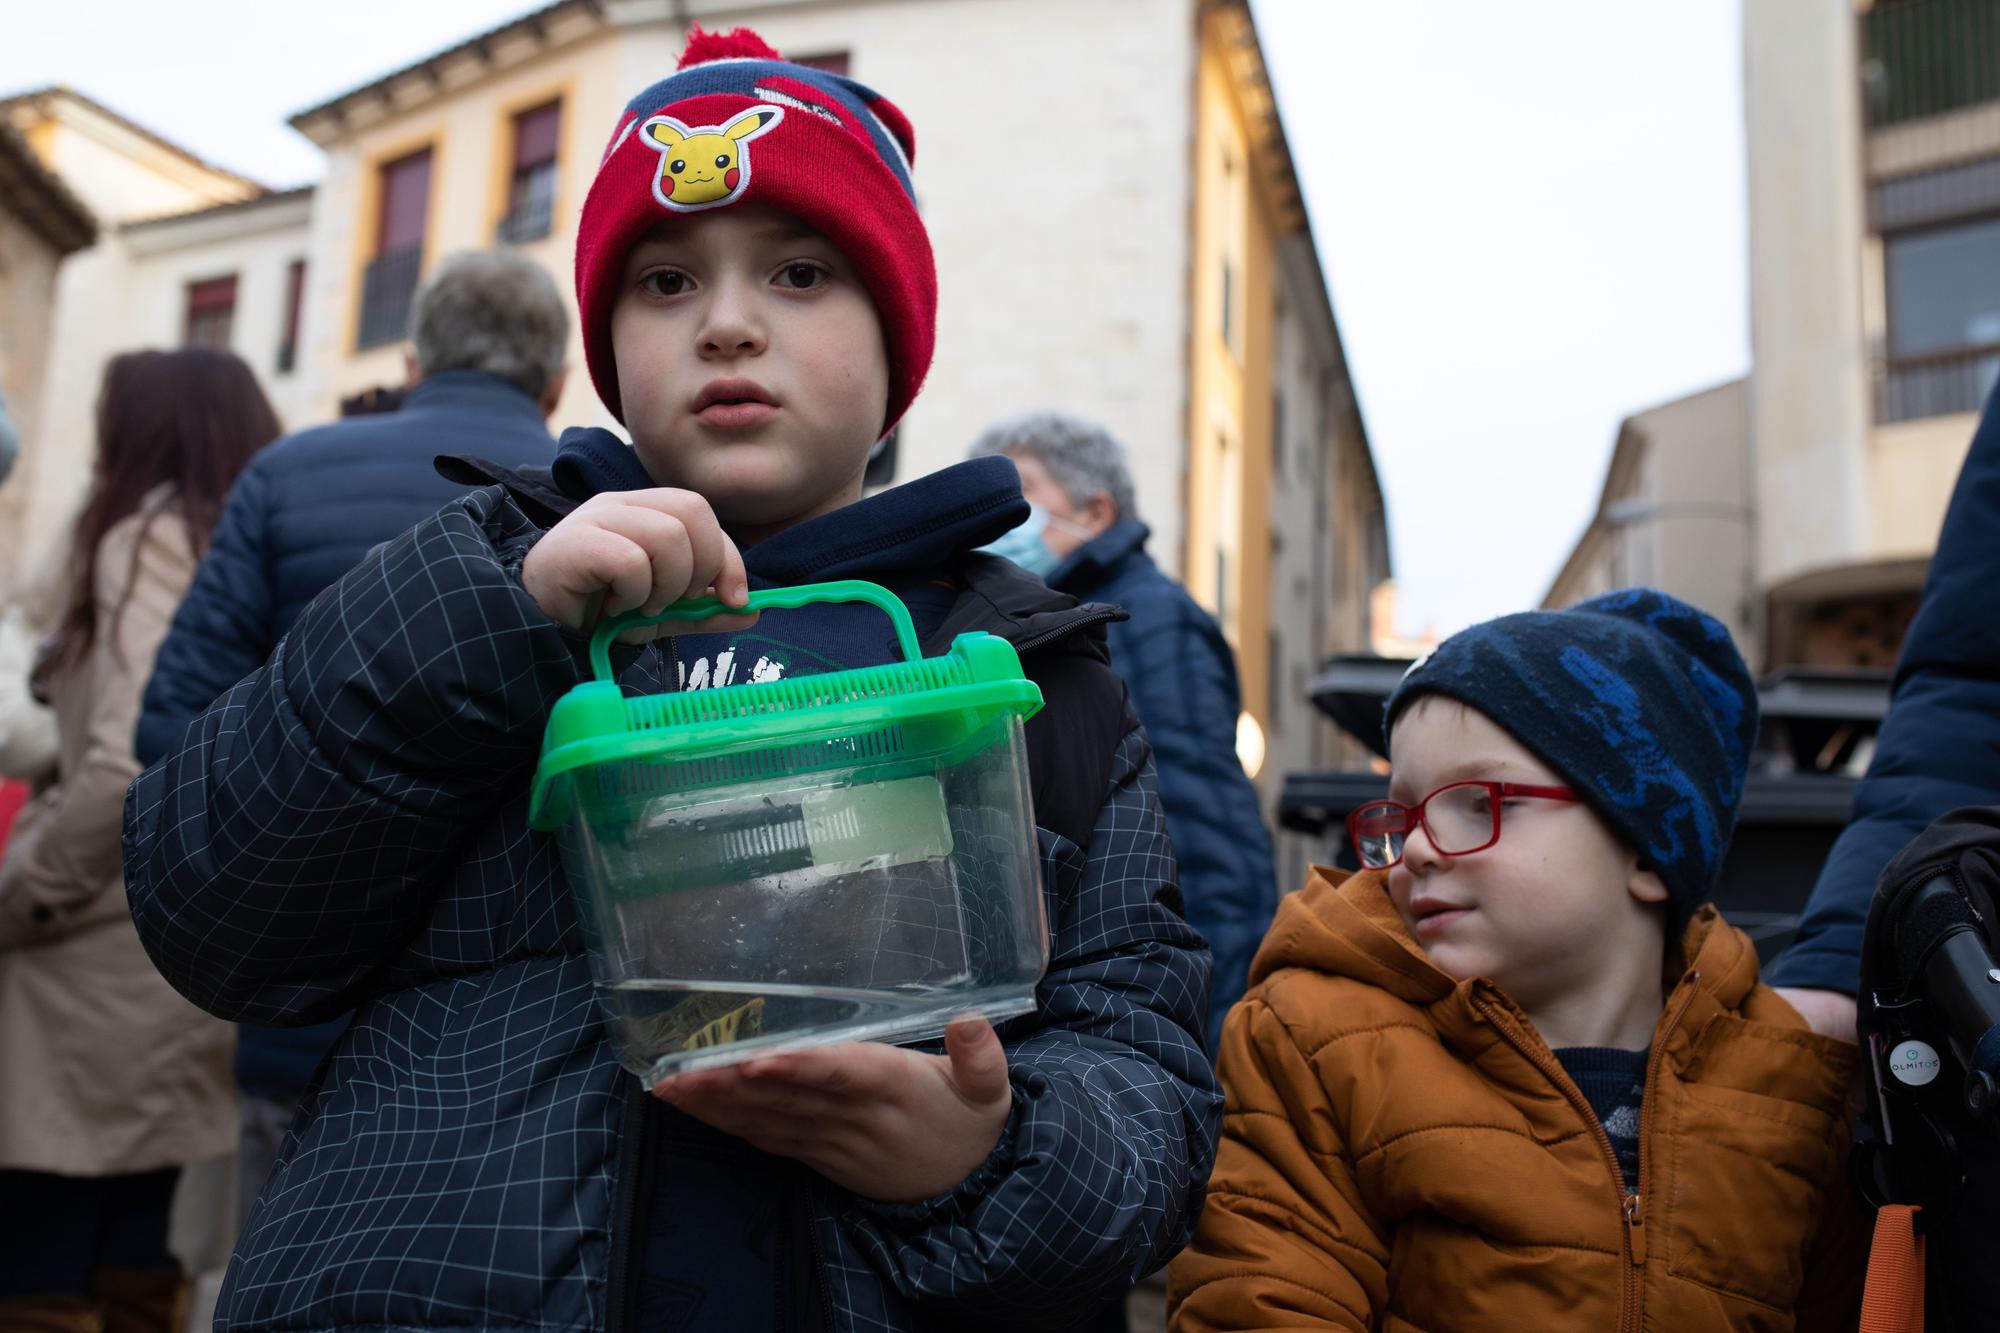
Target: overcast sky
[{"x": 1531, "y": 217}]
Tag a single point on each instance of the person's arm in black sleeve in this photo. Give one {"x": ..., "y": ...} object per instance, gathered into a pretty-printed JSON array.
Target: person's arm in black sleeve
[
  {"x": 223, "y": 629},
  {"x": 287, "y": 848},
  {"x": 1184, "y": 686},
  {"x": 1939, "y": 747}
]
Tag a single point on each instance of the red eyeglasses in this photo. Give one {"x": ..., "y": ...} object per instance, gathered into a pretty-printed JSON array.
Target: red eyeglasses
[{"x": 1459, "y": 818}]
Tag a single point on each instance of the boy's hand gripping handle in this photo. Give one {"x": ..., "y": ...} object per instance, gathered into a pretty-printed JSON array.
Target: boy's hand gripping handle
[{"x": 765, "y": 599}]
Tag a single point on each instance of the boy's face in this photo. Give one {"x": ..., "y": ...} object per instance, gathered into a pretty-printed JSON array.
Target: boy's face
[
  {"x": 1548, "y": 909},
  {"x": 751, "y": 366}
]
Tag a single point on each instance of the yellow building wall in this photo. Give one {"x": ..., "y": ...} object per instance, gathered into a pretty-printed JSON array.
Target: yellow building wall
[
  {"x": 1229, "y": 421},
  {"x": 469, "y": 131}
]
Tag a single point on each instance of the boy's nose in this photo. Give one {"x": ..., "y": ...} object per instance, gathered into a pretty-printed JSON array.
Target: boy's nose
[
  {"x": 732, "y": 327},
  {"x": 1420, "y": 854}
]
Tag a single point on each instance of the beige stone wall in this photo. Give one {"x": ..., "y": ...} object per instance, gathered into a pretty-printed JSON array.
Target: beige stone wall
[
  {"x": 1068, "y": 293},
  {"x": 257, "y": 245},
  {"x": 1912, "y": 466},
  {"x": 1064, "y": 289},
  {"x": 121, "y": 176},
  {"x": 1699, "y": 470},
  {"x": 1676, "y": 513},
  {"x": 27, "y": 297},
  {"x": 469, "y": 133},
  {"x": 1834, "y": 490},
  {"x": 1808, "y": 401}
]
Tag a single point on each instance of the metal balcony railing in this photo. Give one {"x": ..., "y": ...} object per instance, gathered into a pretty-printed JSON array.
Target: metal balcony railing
[
  {"x": 1927, "y": 57},
  {"x": 1936, "y": 384},
  {"x": 388, "y": 286},
  {"x": 529, "y": 220}
]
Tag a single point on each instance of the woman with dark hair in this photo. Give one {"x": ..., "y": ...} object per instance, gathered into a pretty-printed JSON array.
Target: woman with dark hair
[{"x": 110, "y": 1082}]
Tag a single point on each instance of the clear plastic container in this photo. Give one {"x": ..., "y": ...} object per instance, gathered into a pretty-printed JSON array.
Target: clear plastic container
[{"x": 842, "y": 857}]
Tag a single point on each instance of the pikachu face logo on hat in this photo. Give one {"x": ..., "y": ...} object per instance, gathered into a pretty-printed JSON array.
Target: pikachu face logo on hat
[{"x": 707, "y": 165}]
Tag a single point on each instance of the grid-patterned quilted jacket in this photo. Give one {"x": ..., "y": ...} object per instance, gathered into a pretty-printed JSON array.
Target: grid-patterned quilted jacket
[{"x": 347, "y": 828}]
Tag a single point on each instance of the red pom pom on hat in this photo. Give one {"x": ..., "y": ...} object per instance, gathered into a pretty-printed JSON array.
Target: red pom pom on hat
[{"x": 736, "y": 44}]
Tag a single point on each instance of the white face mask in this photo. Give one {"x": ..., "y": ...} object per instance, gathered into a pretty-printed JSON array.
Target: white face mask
[{"x": 1028, "y": 544}]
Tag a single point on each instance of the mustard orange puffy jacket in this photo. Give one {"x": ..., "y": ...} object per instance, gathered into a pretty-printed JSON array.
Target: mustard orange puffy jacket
[{"x": 1402, "y": 1152}]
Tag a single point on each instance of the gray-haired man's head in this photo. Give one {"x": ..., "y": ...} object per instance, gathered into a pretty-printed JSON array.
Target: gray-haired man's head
[
  {"x": 1079, "y": 456},
  {"x": 496, "y": 311},
  {"x": 1074, "y": 472}
]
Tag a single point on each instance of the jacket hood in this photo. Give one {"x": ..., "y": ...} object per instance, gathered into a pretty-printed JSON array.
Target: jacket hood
[
  {"x": 921, "y": 527},
  {"x": 1344, "y": 924},
  {"x": 912, "y": 528}
]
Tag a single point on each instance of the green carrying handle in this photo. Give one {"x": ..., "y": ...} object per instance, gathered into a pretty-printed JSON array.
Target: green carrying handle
[{"x": 766, "y": 599}]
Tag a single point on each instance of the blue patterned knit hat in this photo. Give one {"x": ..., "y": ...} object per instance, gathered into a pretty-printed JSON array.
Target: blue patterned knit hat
[{"x": 1640, "y": 701}]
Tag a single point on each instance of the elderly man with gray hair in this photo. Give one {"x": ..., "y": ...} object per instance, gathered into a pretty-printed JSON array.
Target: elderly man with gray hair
[
  {"x": 1085, "y": 538},
  {"x": 489, "y": 334}
]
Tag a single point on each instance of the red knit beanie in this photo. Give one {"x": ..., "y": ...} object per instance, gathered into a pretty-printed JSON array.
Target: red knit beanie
[{"x": 736, "y": 123}]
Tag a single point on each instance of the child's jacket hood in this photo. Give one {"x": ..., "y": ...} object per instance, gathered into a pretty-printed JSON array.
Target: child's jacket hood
[
  {"x": 1385, "y": 1119},
  {"x": 918, "y": 526}
]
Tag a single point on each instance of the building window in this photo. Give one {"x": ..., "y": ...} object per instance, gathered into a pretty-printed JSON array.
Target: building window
[
  {"x": 295, "y": 299},
  {"x": 831, "y": 62},
  {"x": 211, "y": 312},
  {"x": 1278, "y": 432},
  {"x": 531, "y": 185},
  {"x": 389, "y": 284},
  {"x": 1274, "y": 681},
  {"x": 1944, "y": 319},
  {"x": 1928, "y": 57},
  {"x": 1229, "y": 307}
]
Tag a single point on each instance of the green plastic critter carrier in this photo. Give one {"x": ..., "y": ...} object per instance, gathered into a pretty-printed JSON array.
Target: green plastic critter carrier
[{"x": 842, "y": 857}]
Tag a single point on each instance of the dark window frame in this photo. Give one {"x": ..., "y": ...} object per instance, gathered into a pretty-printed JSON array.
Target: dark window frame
[
  {"x": 1942, "y": 381},
  {"x": 295, "y": 299},
  {"x": 530, "y": 214},
  {"x": 827, "y": 62},
  {"x": 208, "y": 304},
  {"x": 389, "y": 281}
]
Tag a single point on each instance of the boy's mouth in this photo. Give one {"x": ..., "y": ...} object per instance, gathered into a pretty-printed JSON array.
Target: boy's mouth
[
  {"x": 734, "y": 404},
  {"x": 1429, "y": 916}
]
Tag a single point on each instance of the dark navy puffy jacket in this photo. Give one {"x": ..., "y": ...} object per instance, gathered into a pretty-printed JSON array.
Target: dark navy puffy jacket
[
  {"x": 1939, "y": 748},
  {"x": 347, "y": 827},
  {"x": 303, "y": 513},
  {"x": 1182, "y": 675}
]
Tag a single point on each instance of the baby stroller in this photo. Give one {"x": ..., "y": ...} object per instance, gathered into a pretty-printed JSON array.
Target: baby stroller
[{"x": 1929, "y": 1134}]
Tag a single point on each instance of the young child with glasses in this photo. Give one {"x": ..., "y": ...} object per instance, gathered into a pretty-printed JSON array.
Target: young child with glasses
[{"x": 1515, "y": 1074}]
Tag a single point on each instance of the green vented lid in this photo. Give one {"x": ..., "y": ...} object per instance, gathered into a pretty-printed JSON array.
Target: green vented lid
[{"x": 889, "y": 721}]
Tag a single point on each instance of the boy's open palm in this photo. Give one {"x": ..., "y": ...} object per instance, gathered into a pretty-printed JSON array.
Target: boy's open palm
[
  {"x": 646, "y": 549},
  {"x": 885, "y": 1123}
]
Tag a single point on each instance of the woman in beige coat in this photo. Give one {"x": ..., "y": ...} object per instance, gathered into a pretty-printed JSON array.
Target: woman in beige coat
[{"x": 110, "y": 1082}]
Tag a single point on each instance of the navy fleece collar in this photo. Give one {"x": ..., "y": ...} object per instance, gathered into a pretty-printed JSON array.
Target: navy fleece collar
[
  {"x": 916, "y": 527},
  {"x": 1089, "y": 564},
  {"x": 471, "y": 390}
]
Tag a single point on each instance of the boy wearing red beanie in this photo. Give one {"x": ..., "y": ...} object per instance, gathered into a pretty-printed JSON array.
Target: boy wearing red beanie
[{"x": 347, "y": 828}]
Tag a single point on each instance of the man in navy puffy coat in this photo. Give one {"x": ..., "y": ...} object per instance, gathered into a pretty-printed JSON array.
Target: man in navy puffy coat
[
  {"x": 1939, "y": 748},
  {"x": 1085, "y": 539},
  {"x": 490, "y": 331}
]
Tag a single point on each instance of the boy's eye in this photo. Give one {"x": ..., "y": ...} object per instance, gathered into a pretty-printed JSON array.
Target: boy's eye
[
  {"x": 802, "y": 276},
  {"x": 664, "y": 282}
]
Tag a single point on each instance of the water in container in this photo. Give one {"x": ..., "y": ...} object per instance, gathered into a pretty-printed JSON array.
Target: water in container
[{"x": 830, "y": 858}]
